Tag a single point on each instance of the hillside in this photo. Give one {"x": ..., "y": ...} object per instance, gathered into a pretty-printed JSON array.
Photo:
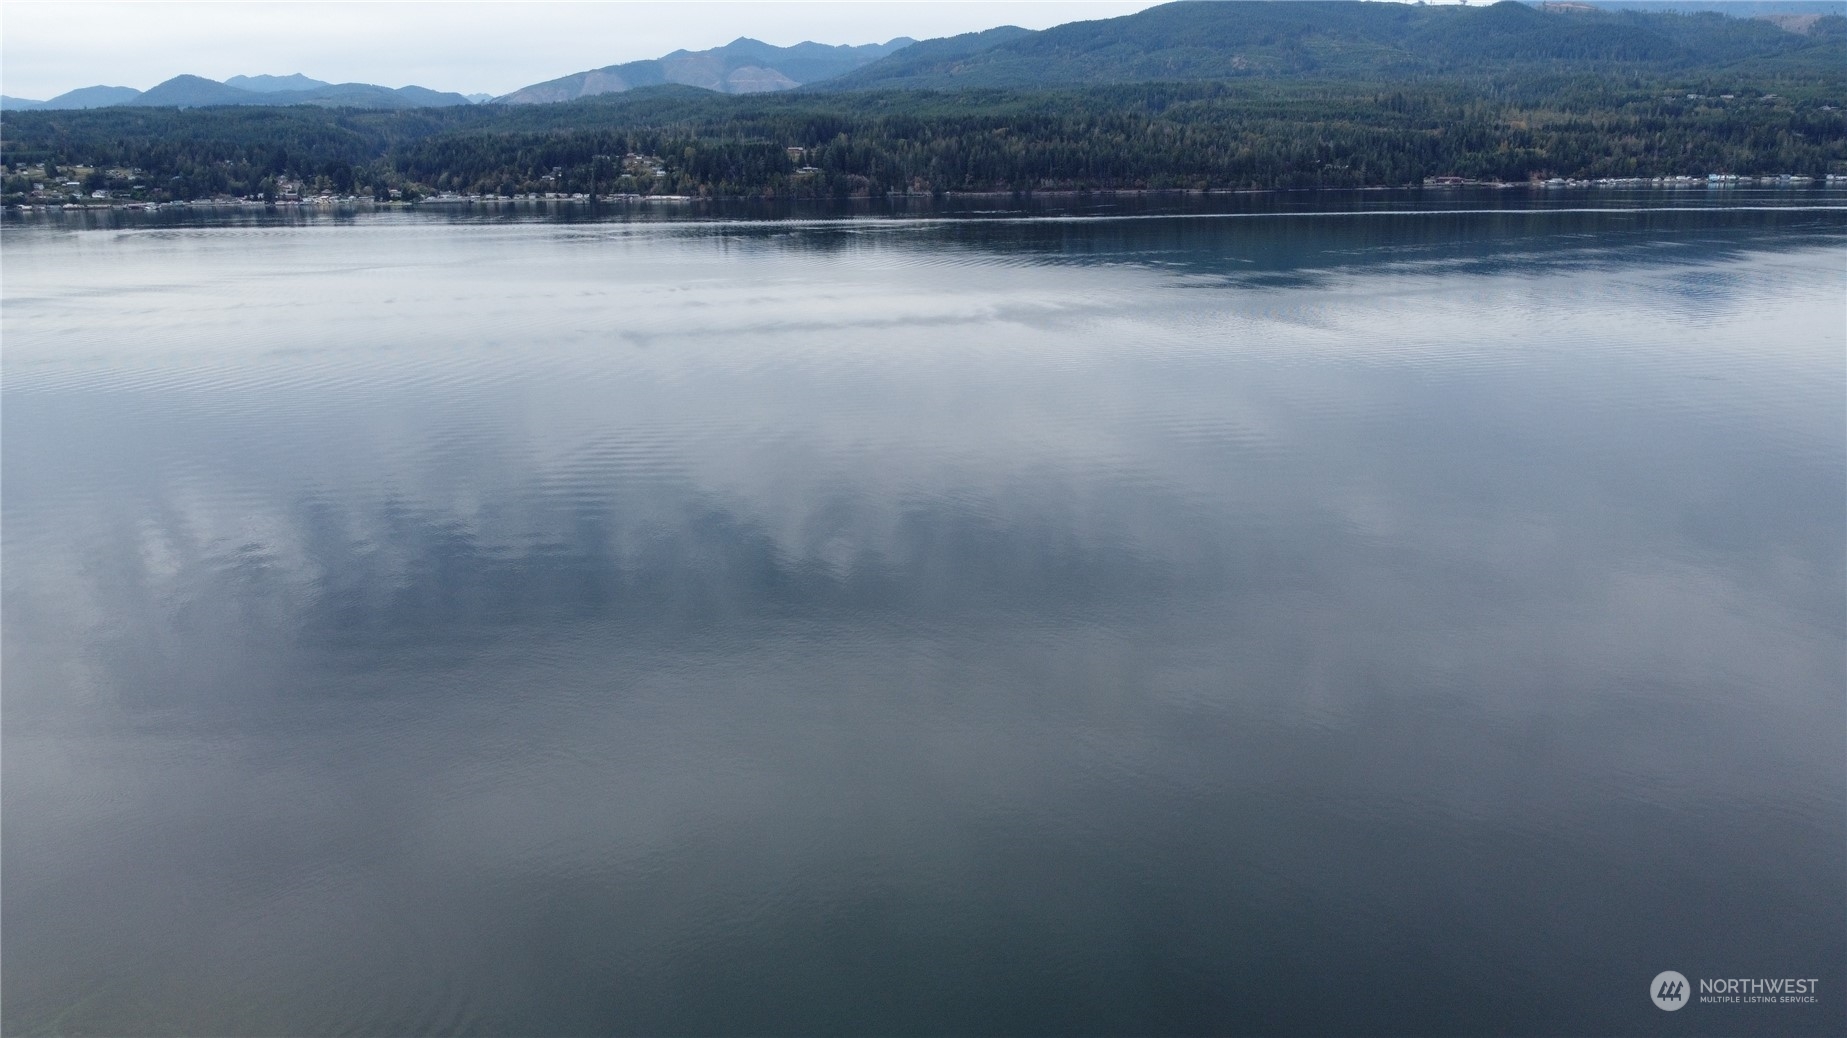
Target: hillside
[
  {"x": 680, "y": 140},
  {"x": 743, "y": 66},
  {"x": 1233, "y": 39}
]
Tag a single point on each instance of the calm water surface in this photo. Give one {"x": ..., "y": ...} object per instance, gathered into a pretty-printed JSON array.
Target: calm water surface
[{"x": 1264, "y": 624}]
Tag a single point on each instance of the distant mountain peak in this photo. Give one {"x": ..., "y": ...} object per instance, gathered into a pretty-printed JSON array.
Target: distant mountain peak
[
  {"x": 189, "y": 91},
  {"x": 272, "y": 84},
  {"x": 743, "y": 66},
  {"x": 82, "y": 97}
]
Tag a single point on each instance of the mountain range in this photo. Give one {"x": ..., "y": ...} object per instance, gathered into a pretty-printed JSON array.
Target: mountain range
[
  {"x": 197, "y": 92},
  {"x": 1188, "y": 40},
  {"x": 743, "y": 66}
]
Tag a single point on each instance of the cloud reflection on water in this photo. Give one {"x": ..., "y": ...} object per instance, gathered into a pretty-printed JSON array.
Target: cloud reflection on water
[{"x": 994, "y": 627}]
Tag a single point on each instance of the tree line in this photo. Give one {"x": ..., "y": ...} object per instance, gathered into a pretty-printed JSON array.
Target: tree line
[{"x": 684, "y": 141}]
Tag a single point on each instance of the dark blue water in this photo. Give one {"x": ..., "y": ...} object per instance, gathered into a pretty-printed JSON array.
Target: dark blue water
[{"x": 1272, "y": 623}]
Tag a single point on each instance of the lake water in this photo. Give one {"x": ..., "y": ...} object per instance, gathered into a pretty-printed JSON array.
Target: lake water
[{"x": 1258, "y": 623}]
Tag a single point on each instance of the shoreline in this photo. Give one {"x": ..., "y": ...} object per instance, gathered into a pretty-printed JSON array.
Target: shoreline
[{"x": 1783, "y": 183}]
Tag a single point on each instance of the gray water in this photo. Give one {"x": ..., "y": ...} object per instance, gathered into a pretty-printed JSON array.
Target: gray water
[{"x": 1270, "y": 623}]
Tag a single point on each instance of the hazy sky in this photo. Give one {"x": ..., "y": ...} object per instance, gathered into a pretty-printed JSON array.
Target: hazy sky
[{"x": 48, "y": 48}]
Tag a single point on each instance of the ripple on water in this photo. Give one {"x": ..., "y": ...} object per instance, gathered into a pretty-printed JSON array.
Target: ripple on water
[{"x": 506, "y": 627}]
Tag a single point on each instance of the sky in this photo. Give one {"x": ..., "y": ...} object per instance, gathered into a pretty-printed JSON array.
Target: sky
[{"x": 488, "y": 47}]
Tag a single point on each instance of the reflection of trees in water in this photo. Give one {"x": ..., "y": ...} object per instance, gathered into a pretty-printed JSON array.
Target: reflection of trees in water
[
  {"x": 1288, "y": 249},
  {"x": 1268, "y": 237},
  {"x": 1268, "y": 244}
]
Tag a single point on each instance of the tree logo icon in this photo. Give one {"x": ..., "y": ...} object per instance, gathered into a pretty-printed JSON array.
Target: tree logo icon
[{"x": 1669, "y": 990}]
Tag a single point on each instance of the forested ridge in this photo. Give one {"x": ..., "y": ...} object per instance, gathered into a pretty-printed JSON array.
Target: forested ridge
[
  {"x": 1603, "y": 96},
  {"x": 1339, "y": 39},
  {"x": 1196, "y": 135}
]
